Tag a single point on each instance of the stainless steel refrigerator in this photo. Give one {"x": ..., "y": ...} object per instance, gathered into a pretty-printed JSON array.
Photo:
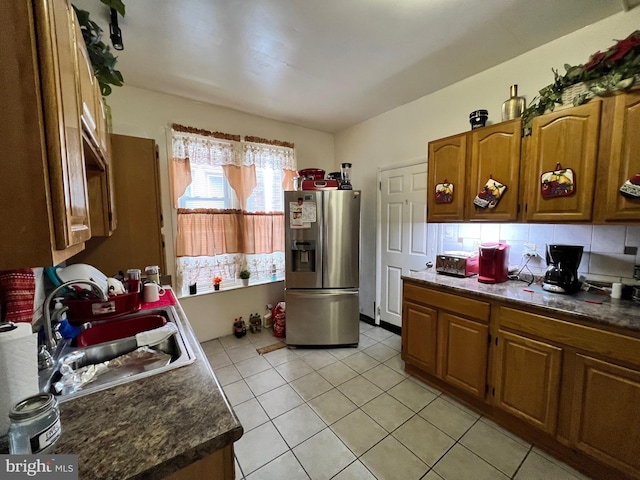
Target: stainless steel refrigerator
[{"x": 322, "y": 243}]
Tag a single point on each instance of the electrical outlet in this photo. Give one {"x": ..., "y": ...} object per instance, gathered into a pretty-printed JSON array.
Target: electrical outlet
[{"x": 531, "y": 247}]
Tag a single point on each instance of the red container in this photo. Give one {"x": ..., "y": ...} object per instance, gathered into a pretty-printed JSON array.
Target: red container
[
  {"x": 320, "y": 185},
  {"x": 129, "y": 327},
  {"x": 81, "y": 311},
  {"x": 311, "y": 174}
]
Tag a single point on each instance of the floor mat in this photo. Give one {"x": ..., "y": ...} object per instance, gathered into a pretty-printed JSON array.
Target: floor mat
[{"x": 271, "y": 348}]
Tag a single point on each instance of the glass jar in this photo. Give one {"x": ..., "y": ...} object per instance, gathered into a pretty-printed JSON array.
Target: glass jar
[
  {"x": 35, "y": 425},
  {"x": 153, "y": 273}
]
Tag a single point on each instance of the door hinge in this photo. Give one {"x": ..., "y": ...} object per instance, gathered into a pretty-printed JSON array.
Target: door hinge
[
  {"x": 489, "y": 339},
  {"x": 518, "y": 209},
  {"x": 110, "y": 217},
  {"x": 526, "y": 205},
  {"x": 486, "y": 388},
  {"x": 380, "y": 186},
  {"x": 493, "y": 392},
  {"x": 496, "y": 340}
]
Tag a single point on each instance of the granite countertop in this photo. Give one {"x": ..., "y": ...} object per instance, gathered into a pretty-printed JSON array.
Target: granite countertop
[
  {"x": 150, "y": 428},
  {"x": 623, "y": 314}
]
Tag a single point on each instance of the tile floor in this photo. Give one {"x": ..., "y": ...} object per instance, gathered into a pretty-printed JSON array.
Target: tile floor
[{"x": 347, "y": 413}]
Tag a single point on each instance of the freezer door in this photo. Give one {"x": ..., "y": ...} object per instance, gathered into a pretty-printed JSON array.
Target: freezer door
[
  {"x": 322, "y": 317},
  {"x": 341, "y": 238},
  {"x": 303, "y": 239}
]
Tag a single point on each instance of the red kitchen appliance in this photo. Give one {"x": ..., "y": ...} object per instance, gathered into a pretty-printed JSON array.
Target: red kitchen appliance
[
  {"x": 459, "y": 264},
  {"x": 311, "y": 174},
  {"x": 320, "y": 184},
  {"x": 494, "y": 263}
]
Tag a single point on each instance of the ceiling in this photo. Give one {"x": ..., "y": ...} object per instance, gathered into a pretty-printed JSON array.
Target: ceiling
[{"x": 329, "y": 64}]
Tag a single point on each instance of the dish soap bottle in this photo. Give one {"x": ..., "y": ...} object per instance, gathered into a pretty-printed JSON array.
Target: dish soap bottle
[{"x": 513, "y": 107}]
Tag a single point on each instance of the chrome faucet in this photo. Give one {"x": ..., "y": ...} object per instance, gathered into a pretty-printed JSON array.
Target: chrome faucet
[{"x": 50, "y": 342}]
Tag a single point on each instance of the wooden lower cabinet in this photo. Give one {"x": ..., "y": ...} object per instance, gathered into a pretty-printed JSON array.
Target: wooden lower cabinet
[
  {"x": 217, "y": 466},
  {"x": 419, "y": 336},
  {"x": 527, "y": 379},
  {"x": 463, "y": 356},
  {"x": 605, "y": 423}
]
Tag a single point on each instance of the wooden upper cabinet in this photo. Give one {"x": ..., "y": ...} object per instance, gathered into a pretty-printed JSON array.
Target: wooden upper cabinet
[
  {"x": 620, "y": 159},
  {"x": 495, "y": 154},
  {"x": 568, "y": 139},
  {"x": 527, "y": 379},
  {"x": 88, "y": 83},
  {"x": 604, "y": 421},
  {"x": 447, "y": 165}
]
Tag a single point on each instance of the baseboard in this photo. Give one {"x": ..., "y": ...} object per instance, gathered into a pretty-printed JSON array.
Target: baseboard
[{"x": 386, "y": 325}]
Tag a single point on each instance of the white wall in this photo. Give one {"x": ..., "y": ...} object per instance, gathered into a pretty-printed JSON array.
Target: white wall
[
  {"x": 142, "y": 113},
  {"x": 402, "y": 134}
]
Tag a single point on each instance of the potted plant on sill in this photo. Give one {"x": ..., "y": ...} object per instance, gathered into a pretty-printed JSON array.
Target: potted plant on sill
[
  {"x": 217, "y": 280},
  {"x": 244, "y": 276}
]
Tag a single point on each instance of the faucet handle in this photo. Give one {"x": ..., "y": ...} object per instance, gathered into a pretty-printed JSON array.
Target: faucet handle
[{"x": 45, "y": 360}]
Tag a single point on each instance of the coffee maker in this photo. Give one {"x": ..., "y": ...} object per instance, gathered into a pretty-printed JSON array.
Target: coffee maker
[
  {"x": 494, "y": 263},
  {"x": 562, "y": 271}
]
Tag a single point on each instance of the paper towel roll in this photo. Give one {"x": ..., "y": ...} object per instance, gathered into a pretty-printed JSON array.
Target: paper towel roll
[{"x": 18, "y": 369}]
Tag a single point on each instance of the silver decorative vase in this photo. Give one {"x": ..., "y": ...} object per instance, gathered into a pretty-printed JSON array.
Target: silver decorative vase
[{"x": 513, "y": 107}]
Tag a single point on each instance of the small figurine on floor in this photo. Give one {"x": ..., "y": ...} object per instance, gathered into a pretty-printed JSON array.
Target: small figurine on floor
[
  {"x": 239, "y": 328},
  {"x": 255, "y": 323}
]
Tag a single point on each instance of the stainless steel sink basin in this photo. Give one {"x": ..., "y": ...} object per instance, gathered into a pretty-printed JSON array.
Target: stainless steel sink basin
[{"x": 178, "y": 350}]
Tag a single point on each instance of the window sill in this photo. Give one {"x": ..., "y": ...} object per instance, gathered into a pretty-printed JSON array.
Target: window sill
[{"x": 235, "y": 286}]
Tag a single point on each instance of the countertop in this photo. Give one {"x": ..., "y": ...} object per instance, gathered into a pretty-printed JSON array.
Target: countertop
[
  {"x": 620, "y": 314},
  {"x": 150, "y": 428}
]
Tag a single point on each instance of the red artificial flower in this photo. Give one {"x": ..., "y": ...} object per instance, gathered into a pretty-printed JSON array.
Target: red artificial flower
[
  {"x": 594, "y": 60},
  {"x": 623, "y": 47}
]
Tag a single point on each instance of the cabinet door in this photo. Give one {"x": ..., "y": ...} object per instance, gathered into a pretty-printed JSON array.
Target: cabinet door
[
  {"x": 495, "y": 153},
  {"x": 463, "y": 353},
  {"x": 623, "y": 161},
  {"x": 605, "y": 422},
  {"x": 447, "y": 165},
  {"x": 527, "y": 379},
  {"x": 61, "y": 98},
  {"x": 89, "y": 113},
  {"x": 568, "y": 137},
  {"x": 419, "y": 336}
]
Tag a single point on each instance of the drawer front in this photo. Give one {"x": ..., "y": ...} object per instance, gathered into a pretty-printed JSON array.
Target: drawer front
[
  {"x": 609, "y": 344},
  {"x": 447, "y": 301}
]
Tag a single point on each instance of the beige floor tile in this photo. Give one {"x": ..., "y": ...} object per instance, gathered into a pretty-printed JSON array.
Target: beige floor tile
[
  {"x": 380, "y": 352},
  {"x": 264, "y": 381},
  {"x": 394, "y": 342},
  {"x": 337, "y": 373},
  {"x": 239, "y": 475},
  {"x": 361, "y": 362},
  {"x": 358, "y": 432},
  {"x": 397, "y": 365},
  {"x": 460, "y": 405},
  {"x": 298, "y": 424},
  {"x": 242, "y": 353},
  {"x": 278, "y": 357},
  {"x": 286, "y": 466},
  {"x": 355, "y": 471},
  {"x": 379, "y": 334},
  {"x": 365, "y": 342},
  {"x": 387, "y": 411},
  {"x": 390, "y": 460},
  {"x": 460, "y": 463},
  {"x": 262, "y": 338},
  {"x": 319, "y": 359},
  {"x": 359, "y": 390},
  {"x": 536, "y": 467},
  {"x": 311, "y": 386},
  {"x": 251, "y": 414},
  {"x": 258, "y": 447},
  {"x": 303, "y": 352},
  {"x": 323, "y": 455},
  {"x": 279, "y": 400},
  {"x": 432, "y": 475},
  {"x": 364, "y": 327},
  {"x": 252, "y": 365},
  {"x": 230, "y": 342},
  {"x": 433, "y": 390},
  {"x": 237, "y": 392},
  {"x": 219, "y": 360},
  {"x": 448, "y": 418},
  {"x": 212, "y": 346},
  {"x": 494, "y": 447},
  {"x": 424, "y": 440},
  {"x": 414, "y": 396},
  {"x": 383, "y": 377},
  {"x": 560, "y": 464},
  {"x": 293, "y": 369},
  {"x": 227, "y": 375},
  {"x": 343, "y": 352},
  {"x": 331, "y": 406},
  {"x": 497, "y": 427}
]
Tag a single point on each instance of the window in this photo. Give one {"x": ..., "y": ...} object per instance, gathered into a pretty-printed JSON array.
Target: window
[{"x": 229, "y": 196}]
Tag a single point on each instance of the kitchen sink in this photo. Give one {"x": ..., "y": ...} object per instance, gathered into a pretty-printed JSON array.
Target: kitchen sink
[
  {"x": 83, "y": 369},
  {"x": 120, "y": 328}
]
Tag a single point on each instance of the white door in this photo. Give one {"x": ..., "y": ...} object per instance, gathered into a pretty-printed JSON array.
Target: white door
[{"x": 403, "y": 234}]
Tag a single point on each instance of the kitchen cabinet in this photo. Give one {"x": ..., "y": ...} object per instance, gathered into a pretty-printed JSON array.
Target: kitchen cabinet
[
  {"x": 44, "y": 181},
  {"x": 465, "y": 163},
  {"x": 446, "y": 336},
  {"x": 527, "y": 379},
  {"x": 218, "y": 465},
  {"x": 564, "y": 139},
  {"x": 619, "y": 159},
  {"x": 603, "y": 422},
  {"x": 138, "y": 240}
]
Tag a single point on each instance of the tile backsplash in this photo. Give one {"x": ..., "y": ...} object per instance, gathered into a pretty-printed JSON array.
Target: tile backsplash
[{"x": 610, "y": 251}]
